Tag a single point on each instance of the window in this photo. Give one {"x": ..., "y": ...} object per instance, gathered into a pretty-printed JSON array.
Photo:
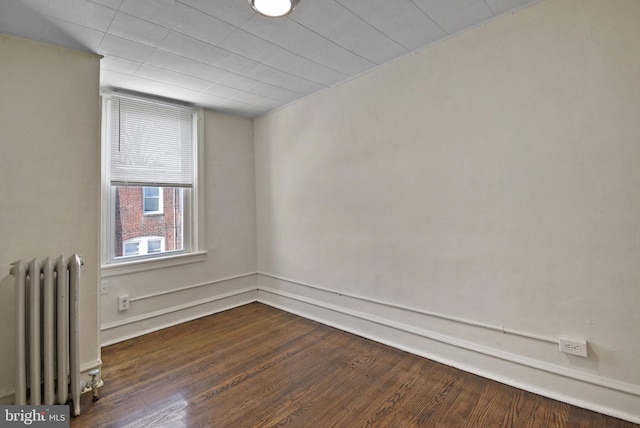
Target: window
[
  {"x": 131, "y": 248},
  {"x": 143, "y": 245},
  {"x": 152, "y": 200},
  {"x": 150, "y": 178}
]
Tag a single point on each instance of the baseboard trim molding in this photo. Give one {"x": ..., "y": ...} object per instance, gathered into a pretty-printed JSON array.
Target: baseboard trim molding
[
  {"x": 344, "y": 311},
  {"x": 470, "y": 346},
  {"x": 603, "y": 395},
  {"x": 129, "y": 328},
  {"x": 501, "y": 329},
  {"x": 191, "y": 287}
]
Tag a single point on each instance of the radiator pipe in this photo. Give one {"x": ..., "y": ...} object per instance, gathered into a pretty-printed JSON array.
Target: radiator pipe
[{"x": 94, "y": 383}]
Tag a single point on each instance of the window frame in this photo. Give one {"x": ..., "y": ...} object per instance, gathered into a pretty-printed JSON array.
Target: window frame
[{"x": 193, "y": 202}]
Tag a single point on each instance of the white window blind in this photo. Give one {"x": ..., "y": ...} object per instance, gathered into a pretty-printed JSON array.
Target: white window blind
[{"x": 151, "y": 143}]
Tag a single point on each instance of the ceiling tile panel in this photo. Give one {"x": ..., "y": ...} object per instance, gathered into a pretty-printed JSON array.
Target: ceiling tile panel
[
  {"x": 242, "y": 110},
  {"x": 160, "y": 89},
  {"x": 186, "y": 66},
  {"x": 122, "y": 65},
  {"x": 294, "y": 37},
  {"x": 186, "y": 46},
  {"x": 223, "y": 91},
  {"x": 177, "y": 79},
  {"x": 316, "y": 72},
  {"x": 224, "y": 59},
  {"x": 84, "y": 13},
  {"x": 220, "y": 54},
  {"x": 247, "y": 45},
  {"x": 293, "y": 83},
  {"x": 501, "y": 6},
  {"x": 400, "y": 20},
  {"x": 270, "y": 103},
  {"x": 256, "y": 71},
  {"x": 71, "y": 35},
  {"x": 138, "y": 30},
  {"x": 249, "y": 98},
  {"x": 161, "y": 12},
  {"x": 279, "y": 58},
  {"x": 123, "y": 48},
  {"x": 455, "y": 15},
  {"x": 233, "y": 12},
  {"x": 201, "y": 26},
  {"x": 113, "y": 79},
  {"x": 208, "y": 100},
  {"x": 235, "y": 105},
  {"x": 238, "y": 82},
  {"x": 113, "y": 4},
  {"x": 274, "y": 92},
  {"x": 334, "y": 22}
]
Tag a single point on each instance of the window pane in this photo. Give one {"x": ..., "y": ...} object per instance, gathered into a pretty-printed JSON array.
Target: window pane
[
  {"x": 131, "y": 248},
  {"x": 154, "y": 246},
  {"x": 161, "y": 232},
  {"x": 151, "y": 204},
  {"x": 152, "y": 199},
  {"x": 151, "y": 192}
]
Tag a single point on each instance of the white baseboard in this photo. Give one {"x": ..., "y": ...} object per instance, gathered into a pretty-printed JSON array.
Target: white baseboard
[
  {"x": 408, "y": 330},
  {"x": 149, "y": 322},
  {"x": 580, "y": 388}
]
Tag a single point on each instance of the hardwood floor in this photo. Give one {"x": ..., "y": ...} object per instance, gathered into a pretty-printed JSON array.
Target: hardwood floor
[{"x": 256, "y": 366}]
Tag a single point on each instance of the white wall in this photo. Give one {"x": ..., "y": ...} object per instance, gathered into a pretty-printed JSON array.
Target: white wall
[
  {"x": 226, "y": 277},
  {"x": 50, "y": 204},
  {"x": 49, "y": 177},
  {"x": 494, "y": 178}
]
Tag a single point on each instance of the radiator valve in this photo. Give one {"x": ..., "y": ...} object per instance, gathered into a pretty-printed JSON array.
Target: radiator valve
[{"x": 94, "y": 383}]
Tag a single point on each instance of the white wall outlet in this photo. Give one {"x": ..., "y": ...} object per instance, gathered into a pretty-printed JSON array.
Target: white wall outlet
[
  {"x": 573, "y": 347},
  {"x": 123, "y": 303},
  {"x": 104, "y": 286}
]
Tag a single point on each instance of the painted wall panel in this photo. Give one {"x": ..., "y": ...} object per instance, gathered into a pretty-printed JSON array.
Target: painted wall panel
[
  {"x": 49, "y": 176},
  {"x": 491, "y": 177},
  {"x": 225, "y": 277}
]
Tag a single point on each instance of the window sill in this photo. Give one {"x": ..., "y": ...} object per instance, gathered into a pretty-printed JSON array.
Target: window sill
[{"x": 121, "y": 268}]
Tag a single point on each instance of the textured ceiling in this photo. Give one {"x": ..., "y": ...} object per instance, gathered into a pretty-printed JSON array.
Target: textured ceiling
[{"x": 219, "y": 54}]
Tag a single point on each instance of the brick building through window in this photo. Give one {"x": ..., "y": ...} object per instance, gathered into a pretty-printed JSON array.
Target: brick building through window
[{"x": 148, "y": 220}]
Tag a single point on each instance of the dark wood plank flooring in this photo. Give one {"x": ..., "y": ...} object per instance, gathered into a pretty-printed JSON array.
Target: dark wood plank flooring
[{"x": 256, "y": 366}]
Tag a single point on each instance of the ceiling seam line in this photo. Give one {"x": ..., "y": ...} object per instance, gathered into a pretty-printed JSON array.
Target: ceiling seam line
[
  {"x": 373, "y": 26},
  {"x": 333, "y": 42},
  {"x": 430, "y": 18}
]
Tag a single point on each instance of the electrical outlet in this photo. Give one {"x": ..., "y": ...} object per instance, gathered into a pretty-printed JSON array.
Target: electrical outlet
[
  {"x": 123, "y": 303},
  {"x": 574, "y": 347},
  {"x": 104, "y": 287}
]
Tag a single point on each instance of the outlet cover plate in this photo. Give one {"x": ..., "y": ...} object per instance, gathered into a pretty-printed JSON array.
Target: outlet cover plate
[
  {"x": 573, "y": 346},
  {"x": 123, "y": 303}
]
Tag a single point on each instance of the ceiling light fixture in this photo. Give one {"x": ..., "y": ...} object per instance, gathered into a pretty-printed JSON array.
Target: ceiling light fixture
[{"x": 273, "y": 8}]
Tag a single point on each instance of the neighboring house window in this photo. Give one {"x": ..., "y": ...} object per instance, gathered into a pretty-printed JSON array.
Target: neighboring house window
[
  {"x": 152, "y": 200},
  {"x": 143, "y": 245},
  {"x": 150, "y": 177}
]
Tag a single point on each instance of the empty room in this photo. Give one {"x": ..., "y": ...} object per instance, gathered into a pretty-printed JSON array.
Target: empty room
[{"x": 320, "y": 213}]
